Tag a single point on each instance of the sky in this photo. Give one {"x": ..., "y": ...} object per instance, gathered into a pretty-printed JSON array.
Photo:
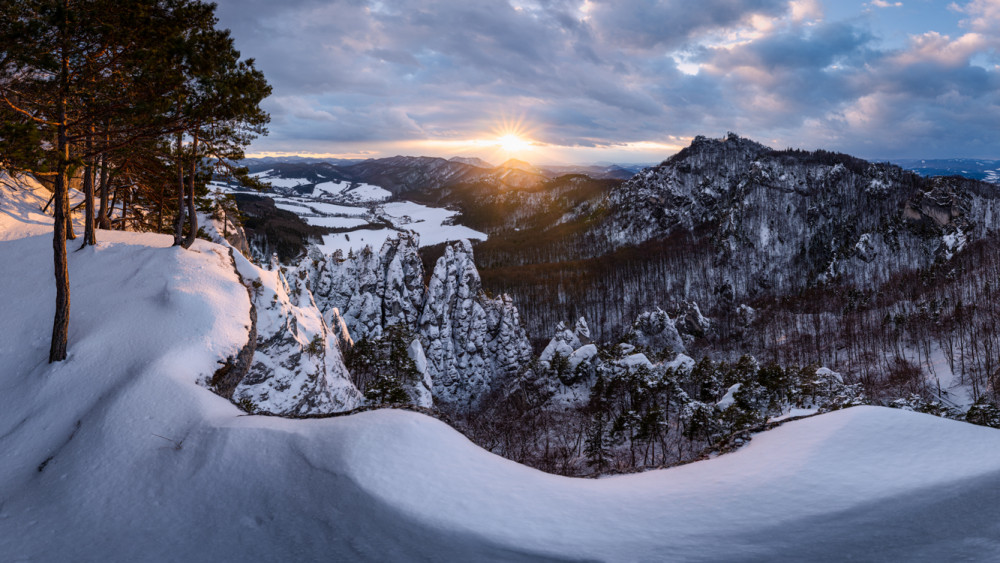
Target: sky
[{"x": 626, "y": 81}]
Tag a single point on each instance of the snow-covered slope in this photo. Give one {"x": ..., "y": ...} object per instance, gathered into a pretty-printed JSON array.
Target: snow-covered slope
[{"x": 119, "y": 454}]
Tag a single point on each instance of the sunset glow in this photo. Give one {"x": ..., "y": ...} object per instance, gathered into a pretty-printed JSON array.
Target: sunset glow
[
  {"x": 514, "y": 138},
  {"x": 511, "y": 143},
  {"x": 587, "y": 81}
]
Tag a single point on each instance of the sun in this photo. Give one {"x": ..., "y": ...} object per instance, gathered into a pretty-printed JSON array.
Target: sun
[
  {"x": 513, "y": 137},
  {"x": 513, "y": 143}
]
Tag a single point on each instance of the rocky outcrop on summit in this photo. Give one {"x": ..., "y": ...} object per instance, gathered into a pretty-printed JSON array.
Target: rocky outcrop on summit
[
  {"x": 297, "y": 368},
  {"x": 470, "y": 340},
  {"x": 683, "y": 191},
  {"x": 762, "y": 221}
]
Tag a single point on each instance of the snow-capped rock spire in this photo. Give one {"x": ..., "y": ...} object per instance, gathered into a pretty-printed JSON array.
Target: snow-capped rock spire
[
  {"x": 469, "y": 339},
  {"x": 297, "y": 367},
  {"x": 373, "y": 290}
]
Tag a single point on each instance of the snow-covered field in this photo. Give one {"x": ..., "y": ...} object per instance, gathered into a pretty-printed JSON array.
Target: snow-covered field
[
  {"x": 119, "y": 454},
  {"x": 336, "y": 222},
  {"x": 304, "y": 207},
  {"x": 356, "y": 240},
  {"x": 330, "y": 204},
  {"x": 433, "y": 224},
  {"x": 351, "y": 192}
]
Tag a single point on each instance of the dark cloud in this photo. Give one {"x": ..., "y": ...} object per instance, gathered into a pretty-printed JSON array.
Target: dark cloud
[
  {"x": 800, "y": 48},
  {"x": 598, "y": 72},
  {"x": 645, "y": 24}
]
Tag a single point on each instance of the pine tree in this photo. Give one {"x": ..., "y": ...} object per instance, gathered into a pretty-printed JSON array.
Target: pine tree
[
  {"x": 386, "y": 390},
  {"x": 382, "y": 368},
  {"x": 597, "y": 446}
]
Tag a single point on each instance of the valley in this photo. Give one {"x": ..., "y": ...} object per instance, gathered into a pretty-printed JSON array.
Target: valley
[{"x": 754, "y": 263}]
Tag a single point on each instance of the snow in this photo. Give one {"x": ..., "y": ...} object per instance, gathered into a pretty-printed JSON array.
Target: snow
[
  {"x": 424, "y": 398},
  {"x": 309, "y": 207},
  {"x": 21, "y": 208},
  {"x": 349, "y": 191},
  {"x": 825, "y": 372},
  {"x": 430, "y": 222},
  {"x": 564, "y": 343},
  {"x": 119, "y": 454},
  {"x": 330, "y": 208},
  {"x": 355, "y": 240},
  {"x": 636, "y": 361},
  {"x": 336, "y": 222},
  {"x": 954, "y": 242},
  {"x": 580, "y": 355},
  {"x": 730, "y": 397},
  {"x": 682, "y": 361},
  {"x": 286, "y": 182},
  {"x": 794, "y": 412},
  {"x": 297, "y": 367}
]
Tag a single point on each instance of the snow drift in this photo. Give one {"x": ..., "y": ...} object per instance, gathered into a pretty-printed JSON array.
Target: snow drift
[{"x": 118, "y": 453}]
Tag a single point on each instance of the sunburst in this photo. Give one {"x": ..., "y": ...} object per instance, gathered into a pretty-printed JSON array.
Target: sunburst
[
  {"x": 511, "y": 143},
  {"x": 513, "y": 137}
]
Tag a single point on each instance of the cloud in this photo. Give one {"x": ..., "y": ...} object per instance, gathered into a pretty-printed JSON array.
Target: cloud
[
  {"x": 805, "y": 10},
  {"x": 645, "y": 24},
  {"x": 601, "y": 72},
  {"x": 983, "y": 15},
  {"x": 884, "y": 4},
  {"x": 932, "y": 47}
]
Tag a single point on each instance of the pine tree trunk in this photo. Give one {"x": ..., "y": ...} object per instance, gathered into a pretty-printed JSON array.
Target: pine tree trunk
[
  {"x": 70, "y": 234},
  {"x": 104, "y": 218},
  {"x": 179, "y": 221},
  {"x": 159, "y": 209},
  {"x": 126, "y": 199},
  {"x": 111, "y": 207},
  {"x": 89, "y": 237},
  {"x": 192, "y": 212},
  {"x": 60, "y": 324}
]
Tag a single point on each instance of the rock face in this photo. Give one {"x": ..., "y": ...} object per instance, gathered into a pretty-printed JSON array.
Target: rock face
[
  {"x": 298, "y": 367},
  {"x": 231, "y": 374},
  {"x": 469, "y": 339},
  {"x": 570, "y": 364},
  {"x": 421, "y": 391},
  {"x": 372, "y": 291},
  {"x": 466, "y": 341},
  {"x": 655, "y": 331},
  {"x": 565, "y": 342}
]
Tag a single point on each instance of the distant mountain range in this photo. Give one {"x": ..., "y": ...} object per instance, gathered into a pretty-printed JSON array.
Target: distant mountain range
[
  {"x": 407, "y": 169},
  {"x": 401, "y": 174},
  {"x": 298, "y": 159}
]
